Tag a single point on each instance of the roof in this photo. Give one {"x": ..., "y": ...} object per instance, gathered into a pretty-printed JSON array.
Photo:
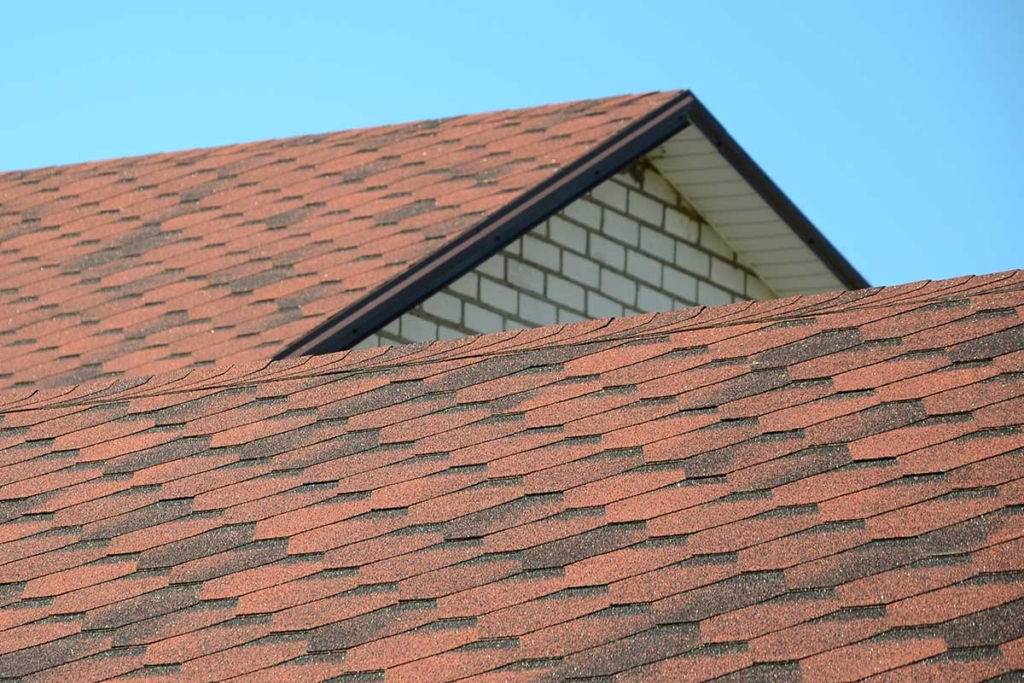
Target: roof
[
  {"x": 134, "y": 267},
  {"x": 811, "y": 488},
  {"x": 154, "y": 263}
]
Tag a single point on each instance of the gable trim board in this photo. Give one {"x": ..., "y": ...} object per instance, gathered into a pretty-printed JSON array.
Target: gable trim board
[{"x": 389, "y": 301}]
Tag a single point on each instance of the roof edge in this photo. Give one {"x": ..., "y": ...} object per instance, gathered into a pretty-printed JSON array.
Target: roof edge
[
  {"x": 716, "y": 133},
  {"x": 389, "y": 301}
]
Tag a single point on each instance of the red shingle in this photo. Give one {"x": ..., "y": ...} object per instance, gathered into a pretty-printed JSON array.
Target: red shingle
[
  {"x": 433, "y": 512},
  {"x": 199, "y": 240}
]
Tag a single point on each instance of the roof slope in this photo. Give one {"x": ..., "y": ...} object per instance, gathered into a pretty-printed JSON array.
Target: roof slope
[
  {"x": 139, "y": 266},
  {"x": 822, "y": 487}
]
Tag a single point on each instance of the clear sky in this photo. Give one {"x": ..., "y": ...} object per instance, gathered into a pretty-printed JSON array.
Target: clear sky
[{"x": 895, "y": 126}]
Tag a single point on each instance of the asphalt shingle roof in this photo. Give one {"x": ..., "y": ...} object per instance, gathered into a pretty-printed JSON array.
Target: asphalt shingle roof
[
  {"x": 134, "y": 267},
  {"x": 814, "y": 488}
]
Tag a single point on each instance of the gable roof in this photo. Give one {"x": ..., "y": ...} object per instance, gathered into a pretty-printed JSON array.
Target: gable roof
[
  {"x": 815, "y": 488},
  {"x": 139, "y": 266}
]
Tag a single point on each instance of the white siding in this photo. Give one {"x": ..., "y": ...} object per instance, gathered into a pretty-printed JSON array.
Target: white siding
[{"x": 743, "y": 220}]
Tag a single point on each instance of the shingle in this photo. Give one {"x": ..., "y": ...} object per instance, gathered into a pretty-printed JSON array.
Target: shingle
[
  {"x": 199, "y": 249},
  {"x": 645, "y": 499}
]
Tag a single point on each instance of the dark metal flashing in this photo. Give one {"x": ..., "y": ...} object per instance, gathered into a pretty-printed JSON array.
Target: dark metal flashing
[
  {"x": 463, "y": 254},
  {"x": 775, "y": 198},
  {"x": 389, "y": 301}
]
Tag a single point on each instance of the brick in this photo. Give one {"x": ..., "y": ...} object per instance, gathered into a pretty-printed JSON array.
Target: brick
[
  {"x": 525, "y": 276},
  {"x": 494, "y": 295},
  {"x": 585, "y": 212},
  {"x": 643, "y": 267},
  {"x": 618, "y": 287},
  {"x": 417, "y": 329},
  {"x": 444, "y": 306},
  {"x": 481, "y": 320},
  {"x": 727, "y": 275},
  {"x": 712, "y": 241},
  {"x": 566, "y": 293},
  {"x": 656, "y": 243},
  {"x": 541, "y": 253},
  {"x": 679, "y": 284},
  {"x": 537, "y": 311},
  {"x": 568, "y": 235},
  {"x": 607, "y": 252},
  {"x": 678, "y": 225},
  {"x": 621, "y": 228},
  {"x": 692, "y": 260},
  {"x": 579, "y": 269},
  {"x": 709, "y": 295},
  {"x": 646, "y": 209},
  {"x": 565, "y": 316},
  {"x": 611, "y": 193},
  {"x": 651, "y": 300},
  {"x": 494, "y": 266},
  {"x": 602, "y": 307},
  {"x": 467, "y": 285}
]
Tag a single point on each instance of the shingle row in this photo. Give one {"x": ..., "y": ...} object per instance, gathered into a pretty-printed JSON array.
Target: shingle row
[{"x": 816, "y": 488}]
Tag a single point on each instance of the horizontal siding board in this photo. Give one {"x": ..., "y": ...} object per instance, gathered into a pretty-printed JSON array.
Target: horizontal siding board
[
  {"x": 791, "y": 270},
  {"x": 762, "y": 240},
  {"x": 736, "y": 188},
  {"x": 755, "y": 240},
  {"x": 686, "y": 175},
  {"x": 708, "y": 205},
  {"x": 694, "y": 162},
  {"x": 761, "y": 259}
]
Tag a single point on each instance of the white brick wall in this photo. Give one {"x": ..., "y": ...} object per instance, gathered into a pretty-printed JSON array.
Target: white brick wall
[{"x": 624, "y": 248}]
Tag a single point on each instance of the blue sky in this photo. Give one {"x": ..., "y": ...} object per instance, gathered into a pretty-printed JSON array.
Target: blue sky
[{"x": 895, "y": 126}]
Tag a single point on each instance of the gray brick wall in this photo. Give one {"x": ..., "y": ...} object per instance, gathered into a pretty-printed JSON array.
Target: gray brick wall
[{"x": 627, "y": 247}]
